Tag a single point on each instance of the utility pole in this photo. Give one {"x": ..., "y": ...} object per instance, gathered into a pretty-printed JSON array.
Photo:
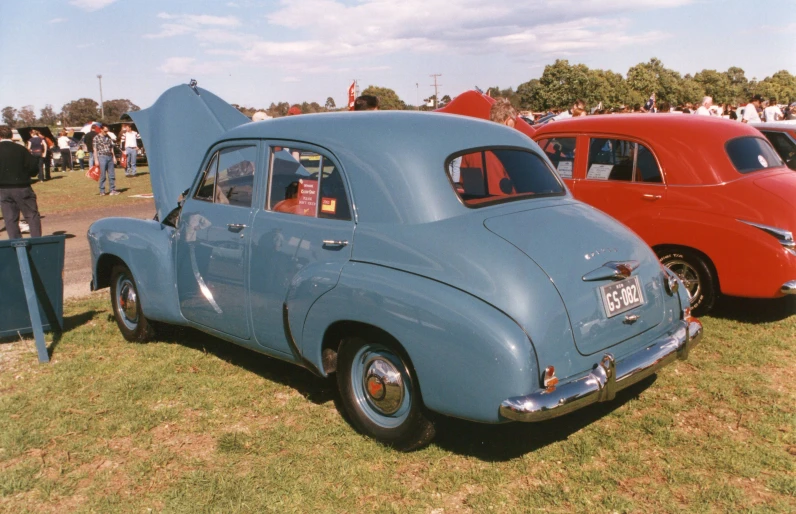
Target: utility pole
[
  {"x": 436, "y": 87},
  {"x": 102, "y": 107}
]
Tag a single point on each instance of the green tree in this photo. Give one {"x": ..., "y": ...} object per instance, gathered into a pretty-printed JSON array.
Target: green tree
[
  {"x": 27, "y": 117},
  {"x": 691, "y": 90},
  {"x": 609, "y": 88},
  {"x": 526, "y": 93},
  {"x": 654, "y": 77},
  {"x": 781, "y": 86},
  {"x": 79, "y": 112},
  {"x": 739, "y": 84},
  {"x": 330, "y": 105},
  {"x": 716, "y": 85},
  {"x": 48, "y": 116},
  {"x": 388, "y": 99},
  {"x": 278, "y": 110},
  {"x": 10, "y": 116},
  {"x": 561, "y": 84},
  {"x": 115, "y": 108}
]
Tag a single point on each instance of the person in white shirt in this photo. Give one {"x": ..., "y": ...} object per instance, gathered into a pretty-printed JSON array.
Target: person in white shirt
[
  {"x": 66, "y": 152},
  {"x": 772, "y": 113},
  {"x": 578, "y": 109},
  {"x": 750, "y": 111},
  {"x": 704, "y": 107},
  {"x": 130, "y": 143}
]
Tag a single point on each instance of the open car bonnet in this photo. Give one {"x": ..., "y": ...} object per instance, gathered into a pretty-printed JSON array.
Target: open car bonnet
[{"x": 177, "y": 131}]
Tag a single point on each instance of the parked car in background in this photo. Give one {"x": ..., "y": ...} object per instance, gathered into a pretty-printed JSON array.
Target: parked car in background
[
  {"x": 444, "y": 268},
  {"x": 478, "y": 105},
  {"x": 710, "y": 196},
  {"x": 52, "y": 142},
  {"x": 782, "y": 136}
]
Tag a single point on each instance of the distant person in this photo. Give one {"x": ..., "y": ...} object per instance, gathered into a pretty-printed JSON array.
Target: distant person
[
  {"x": 578, "y": 109},
  {"x": 772, "y": 113},
  {"x": 704, "y": 107},
  {"x": 664, "y": 107},
  {"x": 80, "y": 155},
  {"x": 38, "y": 149},
  {"x": 17, "y": 166},
  {"x": 104, "y": 156},
  {"x": 366, "y": 103},
  {"x": 750, "y": 114},
  {"x": 66, "y": 151},
  {"x": 88, "y": 139},
  {"x": 130, "y": 145},
  {"x": 791, "y": 115}
]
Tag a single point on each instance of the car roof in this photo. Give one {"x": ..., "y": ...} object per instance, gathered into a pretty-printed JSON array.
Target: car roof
[
  {"x": 689, "y": 148},
  {"x": 782, "y": 126},
  {"x": 394, "y": 160}
]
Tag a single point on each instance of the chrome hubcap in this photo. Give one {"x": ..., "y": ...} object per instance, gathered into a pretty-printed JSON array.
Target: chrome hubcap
[
  {"x": 688, "y": 275},
  {"x": 384, "y": 385},
  {"x": 128, "y": 302}
]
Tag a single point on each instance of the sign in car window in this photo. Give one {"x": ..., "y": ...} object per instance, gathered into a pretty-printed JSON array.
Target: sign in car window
[
  {"x": 565, "y": 169},
  {"x": 599, "y": 171},
  {"x": 307, "y": 197}
]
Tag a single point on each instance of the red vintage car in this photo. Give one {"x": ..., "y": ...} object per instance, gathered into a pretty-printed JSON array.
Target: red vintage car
[{"x": 710, "y": 196}]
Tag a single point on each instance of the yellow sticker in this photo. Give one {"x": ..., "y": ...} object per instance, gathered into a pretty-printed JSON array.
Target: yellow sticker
[{"x": 329, "y": 205}]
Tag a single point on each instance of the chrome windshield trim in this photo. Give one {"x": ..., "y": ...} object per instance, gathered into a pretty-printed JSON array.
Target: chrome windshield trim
[
  {"x": 785, "y": 237},
  {"x": 606, "y": 377}
]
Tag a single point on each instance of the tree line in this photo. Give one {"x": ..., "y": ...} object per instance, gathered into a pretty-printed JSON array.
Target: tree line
[{"x": 559, "y": 86}]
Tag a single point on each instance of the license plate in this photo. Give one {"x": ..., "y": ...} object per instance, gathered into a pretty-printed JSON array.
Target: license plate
[{"x": 621, "y": 296}]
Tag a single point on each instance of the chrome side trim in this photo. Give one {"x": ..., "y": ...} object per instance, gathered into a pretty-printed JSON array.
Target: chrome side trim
[
  {"x": 788, "y": 287},
  {"x": 614, "y": 270},
  {"x": 785, "y": 237},
  {"x": 606, "y": 377}
]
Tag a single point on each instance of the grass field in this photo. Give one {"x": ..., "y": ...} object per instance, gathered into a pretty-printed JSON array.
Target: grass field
[
  {"x": 73, "y": 191},
  {"x": 193, "y": 424}
]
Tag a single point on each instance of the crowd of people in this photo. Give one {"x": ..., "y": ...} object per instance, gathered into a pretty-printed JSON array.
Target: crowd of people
[{"x": 756, "y": 110}]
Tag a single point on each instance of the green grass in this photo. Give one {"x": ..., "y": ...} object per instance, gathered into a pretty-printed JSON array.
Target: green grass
[
  {"x": 194, "y": 424},
  {"x": 72, "y": 191}
]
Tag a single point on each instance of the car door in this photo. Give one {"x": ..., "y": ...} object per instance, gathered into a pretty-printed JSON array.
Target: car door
[
  {"x": 213, "y": 238},
  {"x": 623, "y": 178},
  {"x": 300, "y": 241}
]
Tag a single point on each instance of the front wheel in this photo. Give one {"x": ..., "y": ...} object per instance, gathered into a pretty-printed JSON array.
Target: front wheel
[
  {"x": 381, "y": 395},
  {"x": 127, "y": 307},
  {"x": 696, "y": 275}
]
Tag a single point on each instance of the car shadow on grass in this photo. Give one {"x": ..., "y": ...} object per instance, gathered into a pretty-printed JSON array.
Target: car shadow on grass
[
  {"x": 315, "y": 389},
  {"x": 754, "y": 310},
  {"x": 499, "y": 443}
]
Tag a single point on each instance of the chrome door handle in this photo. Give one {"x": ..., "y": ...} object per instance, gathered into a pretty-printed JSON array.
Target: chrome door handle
[
  {"x": 332, "y": 243},
  {"x": 235, "y": 227},
  {"x": 652, "y": 197}
]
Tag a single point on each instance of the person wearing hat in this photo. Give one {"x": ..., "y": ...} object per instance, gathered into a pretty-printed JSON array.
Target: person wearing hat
[{"x": 750, "y": 114}]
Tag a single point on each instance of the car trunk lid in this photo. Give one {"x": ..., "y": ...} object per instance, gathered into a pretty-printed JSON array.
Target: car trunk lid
[{"x": 580, "y": 278}]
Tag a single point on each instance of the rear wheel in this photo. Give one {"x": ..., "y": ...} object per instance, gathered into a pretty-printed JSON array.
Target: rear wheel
[
  {"x": 697, "y": 277},
  {"x": 127, "y": 307},
  {"x": 380, "y": 393}
]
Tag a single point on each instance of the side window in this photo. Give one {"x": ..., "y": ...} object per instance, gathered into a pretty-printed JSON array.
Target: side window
[
  {"x": 618, "y": 159},
  {"x": 561, "y": 152},
  {"x": 206, "y": 188},
  {"x": 306, "y": 183},
  {"x": 236, "y": 175}
]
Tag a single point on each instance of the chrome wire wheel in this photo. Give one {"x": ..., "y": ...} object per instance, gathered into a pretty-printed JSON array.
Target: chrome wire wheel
[
  {"x": 688, "y": 275},
  {"x": 127, "y": 302},
  {"x": 381, "y": 385}
]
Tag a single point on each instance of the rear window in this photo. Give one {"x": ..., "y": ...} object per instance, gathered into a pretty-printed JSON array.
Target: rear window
[
  {"x": 494, "y": 175},
  {"x": 750, "y": 154}
]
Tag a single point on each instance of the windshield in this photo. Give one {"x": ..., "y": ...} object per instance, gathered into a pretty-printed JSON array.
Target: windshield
[
  {"x": 495, "y": 175},
  {"x": 750, "y": 154}
]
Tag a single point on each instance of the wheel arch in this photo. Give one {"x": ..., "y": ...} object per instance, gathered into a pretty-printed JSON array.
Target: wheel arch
[{"x": 664, "y": 248}]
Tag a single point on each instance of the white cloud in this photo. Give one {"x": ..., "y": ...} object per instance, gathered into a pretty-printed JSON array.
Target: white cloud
[
  {"x": 56, "y": 20},
  {"x": 182, "y": 24},
  {"x": 191, "y": 66},
  {"x": 295, "y": 43},
  {"x": 91, "y": 5}
]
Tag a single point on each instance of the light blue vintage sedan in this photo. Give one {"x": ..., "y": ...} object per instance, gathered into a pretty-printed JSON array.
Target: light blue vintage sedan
[{"x": 432, "y": 262}]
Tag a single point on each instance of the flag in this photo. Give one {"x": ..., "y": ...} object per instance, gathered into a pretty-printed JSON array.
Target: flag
[
  {"x": 650, "y": 103},
  {"x": 352, "y": 95}
]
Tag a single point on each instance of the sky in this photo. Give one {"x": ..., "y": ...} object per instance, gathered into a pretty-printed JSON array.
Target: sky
[{"x": 253, "y": 52}]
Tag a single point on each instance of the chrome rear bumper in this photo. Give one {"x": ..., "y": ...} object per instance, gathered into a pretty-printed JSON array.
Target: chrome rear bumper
[
  {"x": 605, "y": 379},
  {"x": 788, "y": 287}
]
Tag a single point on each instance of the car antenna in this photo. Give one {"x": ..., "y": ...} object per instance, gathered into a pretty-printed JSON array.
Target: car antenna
[{"x": 192, "y": 85}]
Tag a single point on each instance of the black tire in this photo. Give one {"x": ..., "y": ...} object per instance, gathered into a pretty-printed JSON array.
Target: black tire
[
  {"x": 391, "y": 411},
  {"x": 126, "y": 307},
  {"x": 696, "y": 274}
]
